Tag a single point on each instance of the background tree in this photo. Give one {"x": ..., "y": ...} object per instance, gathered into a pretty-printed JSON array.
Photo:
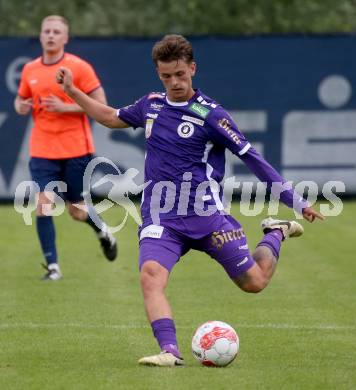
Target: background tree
[{"x": 191, "y": 17}]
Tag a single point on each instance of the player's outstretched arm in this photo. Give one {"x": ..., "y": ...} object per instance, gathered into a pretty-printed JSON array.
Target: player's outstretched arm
[
  {"x": 100, "y": 112},
  {"x": 266, "y": 173},
  {"x": 226, "y": 133}
]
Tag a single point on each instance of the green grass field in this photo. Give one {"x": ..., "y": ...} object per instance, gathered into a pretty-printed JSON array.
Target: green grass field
[{"x": 88, "y": 330}]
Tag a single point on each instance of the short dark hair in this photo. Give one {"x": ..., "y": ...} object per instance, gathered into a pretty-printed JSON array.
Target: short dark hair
[{"x": 172, "y": 47}]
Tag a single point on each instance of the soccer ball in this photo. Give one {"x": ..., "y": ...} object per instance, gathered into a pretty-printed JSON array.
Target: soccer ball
[{"x": 215, "y": 343}]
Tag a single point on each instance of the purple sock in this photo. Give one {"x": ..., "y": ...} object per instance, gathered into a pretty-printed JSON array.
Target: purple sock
[
  {"x": 165, "y": 333},
  {"x": 273, "y": 240}
]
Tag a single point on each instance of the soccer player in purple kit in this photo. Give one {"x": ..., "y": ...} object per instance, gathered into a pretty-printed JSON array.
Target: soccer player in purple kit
[{"x": 186, "y": 136}]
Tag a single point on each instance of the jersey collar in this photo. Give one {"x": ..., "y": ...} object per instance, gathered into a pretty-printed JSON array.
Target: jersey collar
[
  {"x": 53, "y": 63},
  {"x": 180, "y": 104}
]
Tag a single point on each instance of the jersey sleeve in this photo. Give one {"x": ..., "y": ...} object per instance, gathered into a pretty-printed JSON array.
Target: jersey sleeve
[
  {"x": 224, "y": 131},
  {"x": 276, "y": 184},
  {"x": 87, "y": 80},
  {"x": 133, "y": 114},
  {"x": 24, "y": 90}
]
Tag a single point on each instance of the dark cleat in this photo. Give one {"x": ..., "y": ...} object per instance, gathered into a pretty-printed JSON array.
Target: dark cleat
[{"x": 108, "y": 245}]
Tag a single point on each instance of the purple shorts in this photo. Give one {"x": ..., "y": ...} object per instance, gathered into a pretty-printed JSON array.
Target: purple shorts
[{"x": 220, "y": 236}]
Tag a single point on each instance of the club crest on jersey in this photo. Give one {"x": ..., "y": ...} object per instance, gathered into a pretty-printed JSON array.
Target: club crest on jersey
[
  {"x": 148, "y": 127},
  {"x": 185, "y": 129}
]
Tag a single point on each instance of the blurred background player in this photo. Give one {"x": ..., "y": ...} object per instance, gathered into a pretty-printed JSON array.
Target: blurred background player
[
  {"x": 187, "y": 134},
  {"x": 61, "y": 143}
]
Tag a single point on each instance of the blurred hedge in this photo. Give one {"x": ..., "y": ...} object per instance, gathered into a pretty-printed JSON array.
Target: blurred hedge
[{"x": 191, "y": 17}]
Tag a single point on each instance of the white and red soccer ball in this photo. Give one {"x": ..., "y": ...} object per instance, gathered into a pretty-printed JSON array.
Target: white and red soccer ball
[{"x": 215, "y": 343}]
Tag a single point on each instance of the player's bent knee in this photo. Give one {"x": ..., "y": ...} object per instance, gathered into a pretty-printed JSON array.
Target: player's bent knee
[
  {"x": 251, "y": 282},
  {"x": 253, "y": 288},
  {"x": 146, "y": 281},
  {"x": 153, "y": 277}
]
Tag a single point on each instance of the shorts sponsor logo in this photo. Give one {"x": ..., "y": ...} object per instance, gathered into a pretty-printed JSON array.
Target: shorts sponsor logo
[
  {"x": 199, "y": 109},
  {"x": 193, "y": 120},
  {"x": 242, "y": 262},
  {"x": 226, "y": 125},
  {"x": 148, "y": 127},
  {"x": 185, "y": 130},
  {"x": 219, "y": 239},
  {"x": 152, "y": 231}
]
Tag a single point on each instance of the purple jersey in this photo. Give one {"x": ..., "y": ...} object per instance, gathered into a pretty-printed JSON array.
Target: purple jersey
[{"x": 185, "y": 158}]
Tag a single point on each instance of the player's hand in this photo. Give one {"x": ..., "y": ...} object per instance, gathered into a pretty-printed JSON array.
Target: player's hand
[
  {"x": 23, "y": 106},
  {"x": 310, "y": 214},
  {"x": 53, "y": 103},
  {"x": 64, "y": 77}
]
